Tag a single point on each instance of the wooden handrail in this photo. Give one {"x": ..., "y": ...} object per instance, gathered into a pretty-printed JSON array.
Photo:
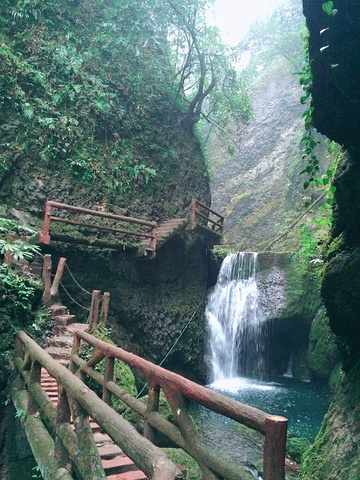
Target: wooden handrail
[
  {"x": 178, "y": 391},
  {"x": 215, "y": 225},
  {"x": 145, "y": 455},
  {"x": 50, "y": 205}
]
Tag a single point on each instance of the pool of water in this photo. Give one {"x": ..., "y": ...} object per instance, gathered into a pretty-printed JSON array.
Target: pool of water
[{"x": 303, "y": 403}]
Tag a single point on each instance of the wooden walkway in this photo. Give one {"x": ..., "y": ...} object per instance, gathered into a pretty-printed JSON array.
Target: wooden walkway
[
  {"x": 144, "y": 236},
  {"x": 116, "y": 464}
]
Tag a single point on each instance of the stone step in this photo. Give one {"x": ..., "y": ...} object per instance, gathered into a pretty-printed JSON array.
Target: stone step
[
  {"x": 64, "y": 319},
  {"x": 109, "y": 451},
  {"x": 58, "y": 353},
  {"x": 70, "y": 329},
  {"x": 61, "y": 341},
  {"x": 58, "y": 309}
]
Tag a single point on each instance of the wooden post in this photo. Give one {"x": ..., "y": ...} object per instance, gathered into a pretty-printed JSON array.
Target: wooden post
[
  {"x": 94, "y": 310},
  {"x": 274, "y": 448},
  {"x": 58, "y": 275},
  {"x": 35, "y": 376},
  {"x": 74, "y": 351},
  {"x": 153, "y": 242},
  {"x": 63, "y": 417},
  {"x": 88, "y": 453},
  {"x": 104, "y": 309},
  {"x": 108, "y": 377},
  {"x": 45, "y": 232},
  {"x": 193, "y": 213},
  {"x": 46, "y": 275},
  {"x": 152, "y": 406}
]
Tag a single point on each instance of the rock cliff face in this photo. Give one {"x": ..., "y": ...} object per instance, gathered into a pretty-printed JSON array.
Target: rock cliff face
[
  {"x": 258, "y": 189},
  {"x": 336, "y": 101}
]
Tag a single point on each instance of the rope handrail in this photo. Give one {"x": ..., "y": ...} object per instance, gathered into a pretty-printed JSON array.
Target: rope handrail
[{"x": 76, "y": 282}]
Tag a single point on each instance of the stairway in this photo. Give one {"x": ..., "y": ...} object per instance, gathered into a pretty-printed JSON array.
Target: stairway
[
  {"x": 116, "y": 464},
  {"x": 164, "y": 230}
]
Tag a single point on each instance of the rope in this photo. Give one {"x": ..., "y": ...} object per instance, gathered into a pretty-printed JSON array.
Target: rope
[
  {"x": 174, "y": 345},
  {"x": 77, "y": 283},
  {"x": 73, "y": 300}
]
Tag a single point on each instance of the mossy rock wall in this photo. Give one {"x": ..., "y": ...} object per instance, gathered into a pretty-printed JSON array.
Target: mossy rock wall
[
  {"x": 336, "y": 451},
  {"x": 152, "y": 300},
  {"x": 336, "y": 109}
]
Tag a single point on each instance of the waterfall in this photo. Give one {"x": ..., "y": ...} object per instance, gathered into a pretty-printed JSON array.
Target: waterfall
[{"x": 235, "y": 324}]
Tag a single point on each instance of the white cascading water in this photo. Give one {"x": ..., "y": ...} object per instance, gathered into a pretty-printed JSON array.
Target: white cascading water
[{"x": 235, "y": 324}]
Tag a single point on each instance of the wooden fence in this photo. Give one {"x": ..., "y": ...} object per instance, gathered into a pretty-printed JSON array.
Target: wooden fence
[
  {"x": 208, "y": 218},
  {"x": 48, "y": 218},
  {"x": 78, "y": 446},
  {"x": 178, "y": 392},
  {"x": 56, "y": 445}
]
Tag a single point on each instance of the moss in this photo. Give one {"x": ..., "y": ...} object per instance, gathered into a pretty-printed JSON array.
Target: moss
[
  {"x": 296, "y": 447},
  {"x": 336, "y": 450},
  {"x": 123, "y": 376},
  {"x": 178, "y": 456},
  {"x": 323, "y": 352},
  {"x": 138, "y": 421}
]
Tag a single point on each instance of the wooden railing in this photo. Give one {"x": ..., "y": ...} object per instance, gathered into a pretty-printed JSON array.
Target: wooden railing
[
  {"x": 48, "y": 218},
  {"x": 208, "y": 217},
  {"x": 55, "y": 444},
  {"x": 178, "y": 392},
  {"x": 76, "y": 446}
]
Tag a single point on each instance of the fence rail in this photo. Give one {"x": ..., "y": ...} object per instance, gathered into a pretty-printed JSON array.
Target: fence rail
[
  {"x": 48, "y": 218},
  {"x": 211, "y": 219},
  {"x": 67, "y": 446},
  {"x": 178, "y": 392}
]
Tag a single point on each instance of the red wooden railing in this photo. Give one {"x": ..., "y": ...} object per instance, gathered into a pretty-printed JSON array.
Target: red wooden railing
[
  {"x": 178, "y": 392},
  {"x": 209, "y": 218},
  {"x": 48, "y": 218}
]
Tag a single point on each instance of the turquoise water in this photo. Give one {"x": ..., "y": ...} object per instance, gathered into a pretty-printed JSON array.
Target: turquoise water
[{"x": 304, "y": 404}]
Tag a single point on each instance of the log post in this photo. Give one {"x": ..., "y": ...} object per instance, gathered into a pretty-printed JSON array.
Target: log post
[
  {"x": 46, "y": 275},
  {"x": 104, "y": 309},
  {"x": 63, "y": 417},
  {"x": 88, "y": 453},
  {"x": 152, "y": 406},
  {"x": 35, "y": 376},
  {"x": 153, "y": 242},
  {"x": 45, "y": 232},
  {"x": 74, "y": 351},
  {"x": 108, "y": 377},
  {"x": 57, "y": 279},
  {"x": 193, "y": 213},
  {"x": 94, "y": 310},
  {"x": 274, "y": 448}
]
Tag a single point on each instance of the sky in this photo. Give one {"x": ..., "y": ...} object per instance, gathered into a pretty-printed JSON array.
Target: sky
[{"x": 234, "y": 17}]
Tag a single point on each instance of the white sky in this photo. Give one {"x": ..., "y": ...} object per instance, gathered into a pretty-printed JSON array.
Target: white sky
[{"x": 234, "y": 17}]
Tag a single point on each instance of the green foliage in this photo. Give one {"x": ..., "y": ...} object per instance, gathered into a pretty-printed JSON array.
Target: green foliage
[
  {"x": 20, "y": 296},
  {"x": 19, "y": 250},
  {"x": 178, "y": 456},
  {"x": 123, "y": 375},
  {"x": 328, "y": 8},
  {"x": 296, "y": 447},
  {"x": 281, "y": 34},
  {"x": 96, "y": 92}
]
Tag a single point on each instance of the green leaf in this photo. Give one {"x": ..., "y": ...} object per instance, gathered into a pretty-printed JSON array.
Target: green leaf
[
  {"x": 306, "y": 184},
  {"x": 328, "y": 8},
  {"x": 332, "y": 189}
]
